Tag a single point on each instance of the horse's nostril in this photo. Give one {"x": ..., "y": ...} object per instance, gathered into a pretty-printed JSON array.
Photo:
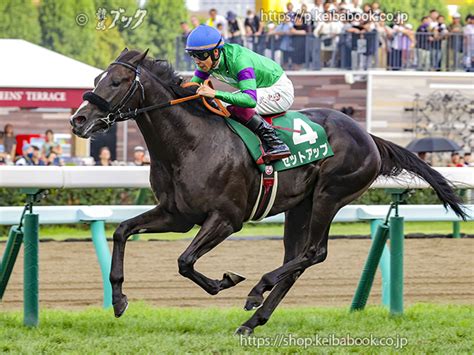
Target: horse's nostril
[{"x": 79, "y": 120}]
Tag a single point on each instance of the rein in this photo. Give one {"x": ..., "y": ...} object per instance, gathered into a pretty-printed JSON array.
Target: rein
[{"x": 115, "y": 113}]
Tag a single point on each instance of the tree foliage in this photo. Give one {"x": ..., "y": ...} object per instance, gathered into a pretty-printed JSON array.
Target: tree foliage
[
  {"x": 415, "y": 9},
  {"x": 160, "y": 28},
  {"x": 61, "y": 31},
  {"x": 19, "y": 19},
  {"x": 57, "y": 25}
]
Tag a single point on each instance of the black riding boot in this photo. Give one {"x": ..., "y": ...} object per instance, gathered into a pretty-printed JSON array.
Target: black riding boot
[{"x": 273, "y": 146}]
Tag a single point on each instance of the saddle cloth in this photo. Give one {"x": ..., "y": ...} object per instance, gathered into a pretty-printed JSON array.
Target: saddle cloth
[{"x": 307, "y": 140}]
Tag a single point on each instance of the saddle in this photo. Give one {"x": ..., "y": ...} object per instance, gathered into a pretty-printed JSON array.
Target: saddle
[{"x": 306, "y": 139}]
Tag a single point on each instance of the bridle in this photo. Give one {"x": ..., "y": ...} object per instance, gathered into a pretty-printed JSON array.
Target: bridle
[{"x": 115, "y": 114}]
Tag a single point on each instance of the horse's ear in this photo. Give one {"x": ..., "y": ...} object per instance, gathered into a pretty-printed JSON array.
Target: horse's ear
[
  {"x": 138, "y": 59},
  {"x": 125, "y": 50}
]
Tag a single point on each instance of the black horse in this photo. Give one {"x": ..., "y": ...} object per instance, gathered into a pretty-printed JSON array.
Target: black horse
[{"x": 202, "y": 174}]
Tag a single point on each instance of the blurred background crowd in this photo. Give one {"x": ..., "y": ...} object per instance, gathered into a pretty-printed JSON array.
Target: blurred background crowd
[
  {"x": 336, "y": 34},
  {"x": 46, "y": 151}
]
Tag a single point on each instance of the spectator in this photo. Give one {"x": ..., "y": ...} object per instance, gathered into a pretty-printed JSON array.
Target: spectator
[
  {"x": 195, "y": 21},
  {"x": 186, "y": 59},
  {"x": 146, "y": 158},
  {"x": 3, "y": 155},
  {"x": 385, "y": 36},
  {"x": 467, "y": 159},
  {"x": 185, "y": 31},
  {"x": 376, "y": 7},
  {"x": 469, "y": 43},
  {"x": 31, "y": 156},
  {"x": 316, "y": 13},
  {"x": 54, "y": 157},
  {"x": 345, "y": 43},
  {"x": 254, "y": 30},
  {"x": 328, "y": 32},
  {"x": 220, "y": 28},
  {"x": 104, "y": 157},
  {"x": 49, "y": 142},
  {"x": 455, "y": 160},
  {"x": 456, "y": 26},
  {"x": 233, "y": 29},
  {"x": 290, "y": 13},
  {"x": 455, "y": 43},
  {"x": 358, "y": 43},
  {"x": 138, "y": 156},
  {"x": 402, "y": 42},
  {"x": 331, "y": 5},
  {"x": 433, "y": 19},
  {"x": 305, "y": 17},
  {"x": 371, "y": 45},
  {"x": 36, "y": 158},
  {"x": 283, "y": 34},
  {"x": 215, "y": 19},
  {"x": 355, "y": 8},
  {"x": 424, "y": 156},
  {"x": 25, "y": 159},
  {"x": 439, "y": 34},
  {"x": 299, "y": 43},
  {"x": 9, "y": 142},
  {"x": 366, "y": 8},
  {"x": 423, "y": 44}
]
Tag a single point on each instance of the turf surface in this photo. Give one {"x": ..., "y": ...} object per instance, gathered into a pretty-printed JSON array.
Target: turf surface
[{"x": 426, "y": 328}]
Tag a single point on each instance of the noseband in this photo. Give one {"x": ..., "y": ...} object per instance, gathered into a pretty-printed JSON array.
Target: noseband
[{"x": 115, "y": 113}]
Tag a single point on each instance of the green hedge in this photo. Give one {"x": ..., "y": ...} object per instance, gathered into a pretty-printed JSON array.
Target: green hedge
[
  {"x": 58, "y": 197},
  {"x": 13, "y": 197}
]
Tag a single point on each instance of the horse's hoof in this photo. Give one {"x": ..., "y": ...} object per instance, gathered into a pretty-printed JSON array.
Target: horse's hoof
[
  {"x": 233, "y": 278},
  {"x": 243, "y": 331},
  {"x": 253, "y": 302},
  {"x": 120, "y": 307}
]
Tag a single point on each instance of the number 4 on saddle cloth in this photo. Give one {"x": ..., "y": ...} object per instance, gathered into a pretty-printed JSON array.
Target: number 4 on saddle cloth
[{"x": 307, "y": 142}]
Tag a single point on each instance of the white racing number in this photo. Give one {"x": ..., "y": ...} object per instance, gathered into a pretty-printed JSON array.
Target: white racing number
[{"x": 308, "y": 136}]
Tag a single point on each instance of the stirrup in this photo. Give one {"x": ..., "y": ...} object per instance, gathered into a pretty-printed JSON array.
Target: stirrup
[{"x": 266, "y": 158}]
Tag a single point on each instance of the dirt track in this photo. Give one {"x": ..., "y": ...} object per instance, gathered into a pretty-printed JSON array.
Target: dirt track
[{"x": 436, "y": 270}]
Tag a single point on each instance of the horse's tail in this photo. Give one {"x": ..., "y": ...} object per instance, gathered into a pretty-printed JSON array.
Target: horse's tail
[{"x": 395, "y": 159}]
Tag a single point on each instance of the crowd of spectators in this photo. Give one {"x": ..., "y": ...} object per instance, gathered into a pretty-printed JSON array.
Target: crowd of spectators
[
  {"x": 456, "y": 160},
  {"x": 346, "y": 40},
  {"x": 50, "y": 152}
]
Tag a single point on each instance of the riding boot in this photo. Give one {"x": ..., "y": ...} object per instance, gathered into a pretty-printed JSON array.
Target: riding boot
[{"x": 273, "y": 147}]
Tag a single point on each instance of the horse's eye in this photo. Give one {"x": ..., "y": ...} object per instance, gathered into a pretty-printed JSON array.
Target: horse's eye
[{"x": 115, "y": 83}]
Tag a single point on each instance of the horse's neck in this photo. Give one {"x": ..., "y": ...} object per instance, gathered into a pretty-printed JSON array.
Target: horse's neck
[{"x": 169, "y": 133}]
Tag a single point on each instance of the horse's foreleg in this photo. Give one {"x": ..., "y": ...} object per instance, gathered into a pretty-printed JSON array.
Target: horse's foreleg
[
  {"x": 213, "y": 231},
  {"x": 154, "y": 221}
]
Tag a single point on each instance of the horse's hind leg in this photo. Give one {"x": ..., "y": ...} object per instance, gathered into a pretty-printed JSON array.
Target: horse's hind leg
[
  {"x": 332, "y": 192},
  {"x": 296, "y": 232},
  {"x": 154, "y": 221}
]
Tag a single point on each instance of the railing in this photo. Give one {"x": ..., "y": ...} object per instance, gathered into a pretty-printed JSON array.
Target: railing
[{"x": 357, "y": 51}]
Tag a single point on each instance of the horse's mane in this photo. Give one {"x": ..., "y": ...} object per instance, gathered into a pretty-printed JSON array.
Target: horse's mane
[{"x": 164, "y": 72}]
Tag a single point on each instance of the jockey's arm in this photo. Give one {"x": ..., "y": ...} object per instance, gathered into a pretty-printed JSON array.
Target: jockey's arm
[
  {"x": 247, "y": 97},
  {"x": 199, "y": 76}
]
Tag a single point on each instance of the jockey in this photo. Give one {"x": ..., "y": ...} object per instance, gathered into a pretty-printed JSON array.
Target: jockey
[{"x": 264, "y": 88}]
